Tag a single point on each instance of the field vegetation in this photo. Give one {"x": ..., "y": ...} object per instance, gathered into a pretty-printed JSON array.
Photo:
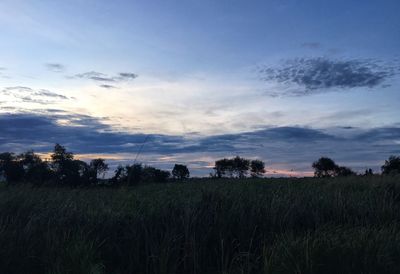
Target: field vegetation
[{"x": 310, "y": 225}]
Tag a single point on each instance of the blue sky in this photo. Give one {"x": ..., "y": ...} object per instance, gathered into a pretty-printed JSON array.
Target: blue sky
[{"x": 284, "y": 81}]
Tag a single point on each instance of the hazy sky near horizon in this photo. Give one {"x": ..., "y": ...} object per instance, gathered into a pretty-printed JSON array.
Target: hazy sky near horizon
[{"x": 285, "y": 81}]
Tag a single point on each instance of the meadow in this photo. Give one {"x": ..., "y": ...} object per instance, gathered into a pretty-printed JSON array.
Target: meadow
[{"x": 204, "y": 226}]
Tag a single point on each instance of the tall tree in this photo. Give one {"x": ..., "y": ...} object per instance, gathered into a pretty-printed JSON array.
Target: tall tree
[
  {"x": 11, "y": 168},
  {"x": 97, "y": 167},
  {"x": 391, "y": 166},
  {"x": 223, "y": 167},
  {"x": 257, "y": 168},
  {"x": 180, "y": 172},
  {"x": 240, "y": 166},
  {"x": 63, "y": 165},
  {"x": 342, "y": 171},
  {"x": 324, "y": 167},
  {"x": 36, "y": 171}
]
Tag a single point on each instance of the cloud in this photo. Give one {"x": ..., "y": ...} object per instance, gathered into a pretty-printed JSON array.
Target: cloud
[
  {"x": 102, "y": 77},
  {"x": 55, "y": 67},
  {"x": 27, "y": 94},
  {"x": 289, "y": 148},
  {"x": 313, "y": 75},
  {"x": 47, "y": 93},
  {"x": 127, "y": 76},
  {"x": 107, "y": 86},
  {"x": 95, "y": 76}
]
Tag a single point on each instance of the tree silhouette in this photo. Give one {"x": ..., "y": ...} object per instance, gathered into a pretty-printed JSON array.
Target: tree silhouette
[
  {"x": 154, "y": 175},
  {"x": 11, "y": 168},
  {"x": 36, "y": 171},
  {"x": 235, "y": 167},
  {"x": 240, "y": 166},
  {"x": 135, "y": 174},
  {"x": 257, "y": 168},
  {"x": 66, "y": 170},
  {"x": 324, "y": 167},
  {"x": 391, "y": 166},
  {"x": 343, "y": 171},
  {"x": 223, "y": 167},
  {"x": 180, "y": 172},
  {"x": 97, "y": 167}
]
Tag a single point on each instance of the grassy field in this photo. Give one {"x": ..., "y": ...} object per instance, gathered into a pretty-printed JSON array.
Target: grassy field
[{"x": 349, "y": 225}]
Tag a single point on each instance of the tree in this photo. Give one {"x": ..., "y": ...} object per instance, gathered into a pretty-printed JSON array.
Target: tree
[
  {"x": 154, "y": 175},
  {"x": 66, "y": 170},
  {"x": 180, "y": 172},
  {"x": 135, "y": 174},
  {"x": 36, "y": 171},
  {"x": 343, "y": 171},
  {"x": 240, "y": 166},
  {"x": 235, "y": 167},
  {"x": 391, "y": 166},
  {"x": 11, "y": 168},
  {"x": 324, "y": 167},
  {"x": 223, "y": 167},
  {"x": 97, "y": 167},
  {"x": 257, "y": 168},
  {"x": 120, "y": 175}
]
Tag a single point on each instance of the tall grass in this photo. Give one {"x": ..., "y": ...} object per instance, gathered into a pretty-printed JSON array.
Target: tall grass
[{"x": 349, "y": 225}]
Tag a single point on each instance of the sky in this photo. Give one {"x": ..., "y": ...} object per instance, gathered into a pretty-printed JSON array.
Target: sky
[{"x": 167, "y": 82}]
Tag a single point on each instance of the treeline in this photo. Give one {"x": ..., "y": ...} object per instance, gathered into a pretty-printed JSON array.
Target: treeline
[
  {"x": 64, "y": 170},
  {"x": 326, "y": 167}
]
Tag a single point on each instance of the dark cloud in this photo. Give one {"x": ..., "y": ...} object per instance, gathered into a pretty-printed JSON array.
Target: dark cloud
[
  {"x": 293, "y": 147},
  {"x": 47, "y": 93},
  {"x": 313, "y": 75},
  {"x": 311, "y": 45},
  {"x": 107, "y": 86},
  {"x": 127, "y": 75},
  {"x": 55, "y": 67},
  {"x": 102, "y": 77},
  {"x": 381, "y": 134},
  {"x": 95, "y": 76},
  {"x": 27, "y": 94}
]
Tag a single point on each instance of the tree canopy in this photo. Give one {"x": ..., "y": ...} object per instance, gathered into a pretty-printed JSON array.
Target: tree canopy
[
  {"x": 180, "y": 172},
  {"x": 326, "y": 167},
  {"x": 238, "y": 167},
  {"x": 391, "y": 166}
]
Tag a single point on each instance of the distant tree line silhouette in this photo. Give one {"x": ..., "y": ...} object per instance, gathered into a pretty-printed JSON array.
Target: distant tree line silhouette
[
  {"x": 64, "y": 170},
  {"x": 326, "y": 167},
  {"x": 238, "y": 168}
]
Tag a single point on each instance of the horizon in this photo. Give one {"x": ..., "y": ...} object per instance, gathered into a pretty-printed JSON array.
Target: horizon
[{"x": 191, "y": 82}]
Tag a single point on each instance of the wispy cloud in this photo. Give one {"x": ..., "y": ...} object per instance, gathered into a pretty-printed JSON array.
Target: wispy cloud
[
  {"x": 107, "y": 86},
  {"x": 55, "y": 67},
  {"x": 95, "y": 76},
  {"x": 103, "y": 77},
  {"x": 27, "y": 94},
  {"x": 314, "y": 75},
  {"x": 127, "y": 76}
]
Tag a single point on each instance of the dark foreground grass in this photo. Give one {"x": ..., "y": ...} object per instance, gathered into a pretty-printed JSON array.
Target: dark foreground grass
[{"x": 347, "y": 225}]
